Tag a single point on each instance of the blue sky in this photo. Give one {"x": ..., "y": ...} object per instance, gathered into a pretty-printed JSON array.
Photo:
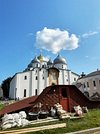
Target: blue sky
[{"x": 22, "y": 22}]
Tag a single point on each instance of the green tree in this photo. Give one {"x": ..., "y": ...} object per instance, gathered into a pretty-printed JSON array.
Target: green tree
[{"x": 5, "y": 86}]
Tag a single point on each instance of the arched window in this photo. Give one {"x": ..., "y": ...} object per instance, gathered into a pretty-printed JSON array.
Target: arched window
[
  {"x": 25, "y": 77},
  {"x": 42, "y": 66},
  {"x": 36, "y": 92}
]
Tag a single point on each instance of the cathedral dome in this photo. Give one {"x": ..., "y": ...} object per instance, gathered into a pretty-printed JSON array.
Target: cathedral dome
[
  {"x": 30, "y": 65},
  {"x": 49, "y": 62},
  {"x": 41, "y": 58},
  {"x": 35, "y": 60},
  {"x": 59, "y": 60}
]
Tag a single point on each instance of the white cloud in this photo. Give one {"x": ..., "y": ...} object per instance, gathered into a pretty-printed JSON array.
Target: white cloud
[
  {"x": 90, "y": 33},
  {"x": 55, "y": 40}
]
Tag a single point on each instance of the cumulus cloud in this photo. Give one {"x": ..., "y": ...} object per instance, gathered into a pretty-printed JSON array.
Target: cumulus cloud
[
  {"x": 90, "y": 33},
  {"x": 55, "y": 40}
]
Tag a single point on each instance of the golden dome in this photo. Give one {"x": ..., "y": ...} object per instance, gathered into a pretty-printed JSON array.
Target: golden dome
[{"x": 41, "y": 58}]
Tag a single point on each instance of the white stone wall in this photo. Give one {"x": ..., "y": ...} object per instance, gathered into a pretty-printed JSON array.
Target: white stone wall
[
  {"x": 91, "y": 89},
  {"x": 73, "y": 78},
  {"x": 13, "y": 87},
  {"x": 37, "y": 79},
  {"x": 25, "y": 84},
  {"x": 31, "y": 84},
  {"x": 42, "y": 79},
  {"x": 61, "y": 66},
  {"x": 35, "y": 65}
]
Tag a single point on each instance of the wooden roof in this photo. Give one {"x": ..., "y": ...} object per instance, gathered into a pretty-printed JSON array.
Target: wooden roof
[{"x": 25, "y": 103}]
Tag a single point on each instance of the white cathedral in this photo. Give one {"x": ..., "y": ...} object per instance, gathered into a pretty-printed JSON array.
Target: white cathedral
[{"x": 40, "y": 74}]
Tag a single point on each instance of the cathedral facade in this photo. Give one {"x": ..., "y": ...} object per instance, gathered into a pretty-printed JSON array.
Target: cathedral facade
[{"x": 40, "y": 74}]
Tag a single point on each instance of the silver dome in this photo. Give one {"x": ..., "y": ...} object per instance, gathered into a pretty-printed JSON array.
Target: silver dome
[
  {"x": 30, "y": 65},
  {"x": 35, "y": 60},
  {"x": 49, "y": 62},
  {"x": 59, "y": 60}
]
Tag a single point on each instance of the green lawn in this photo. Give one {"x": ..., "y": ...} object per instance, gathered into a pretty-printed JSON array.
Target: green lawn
[{"x": 90, "y": 120}]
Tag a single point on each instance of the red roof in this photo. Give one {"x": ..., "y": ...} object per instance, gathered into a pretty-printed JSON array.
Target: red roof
[{"x": 25, "y": 103}]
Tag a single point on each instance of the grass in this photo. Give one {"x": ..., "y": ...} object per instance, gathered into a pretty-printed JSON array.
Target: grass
[
  {"x": 1, "y": 106},
  {"x": 90, "y": 120}
]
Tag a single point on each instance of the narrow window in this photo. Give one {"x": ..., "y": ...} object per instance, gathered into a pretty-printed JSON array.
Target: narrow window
[
  {"x": 84, "y": 85},
  {"x": 87, "y": 84},
  {"x": 94, "y": 83},
  {"x": 36, "y": 65},
  {"x": 43, "y": 78},
  {"x": 42, "y": 66},
  {"x": 35, "y": 91},
  {"x": 25, "y": 77},
  {"x": 24, "y": 92},
  {"x": 36, "y": 71},
  {"x": 62, "y": 66},
  {"x": 74, "y": 79},
  {"x": 36, "y": 78}
]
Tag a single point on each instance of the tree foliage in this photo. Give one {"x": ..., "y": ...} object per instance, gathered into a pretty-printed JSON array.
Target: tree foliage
[{"x": 5, "y": 86}]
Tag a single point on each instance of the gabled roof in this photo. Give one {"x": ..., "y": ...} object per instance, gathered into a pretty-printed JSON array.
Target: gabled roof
[{"x": 95, "y": 73}]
